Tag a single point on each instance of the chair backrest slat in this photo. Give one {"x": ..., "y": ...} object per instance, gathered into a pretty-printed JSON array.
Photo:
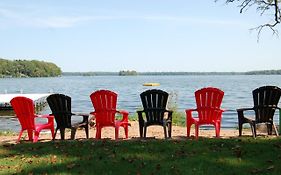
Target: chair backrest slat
[
  {"x": 154, "y": 103},
  {"x": 60, "y": 106},
  {"x": 24, "y": 110},
  {"x": 208, "y": 101},
  {"x": 104, "y": 103}
]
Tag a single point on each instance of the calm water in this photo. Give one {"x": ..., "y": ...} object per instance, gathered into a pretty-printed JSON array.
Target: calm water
[{"x": 237, "y": 91}]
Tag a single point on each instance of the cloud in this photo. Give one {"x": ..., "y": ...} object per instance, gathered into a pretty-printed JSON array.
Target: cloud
[{"x": 32, "y": 19}]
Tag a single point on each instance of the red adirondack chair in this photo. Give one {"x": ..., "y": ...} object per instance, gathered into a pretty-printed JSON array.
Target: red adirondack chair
[
  {"x": 105, "y": 102},
  {"x": 24, "y": 110},
  {"x": 208, "y": 101}
]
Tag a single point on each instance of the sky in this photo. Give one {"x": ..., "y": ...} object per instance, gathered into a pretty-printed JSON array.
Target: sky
[{"x": 141, "y": 35}]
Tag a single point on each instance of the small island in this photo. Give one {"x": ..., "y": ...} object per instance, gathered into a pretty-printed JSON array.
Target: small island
[
  {"x": 128, "y": 73},
  {"x": 28, "y": 68}
]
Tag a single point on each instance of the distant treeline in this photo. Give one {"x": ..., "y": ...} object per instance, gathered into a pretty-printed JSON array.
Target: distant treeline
[
  {"x": 130, "y": 73},
  {"x": 264, "y": 72},
  {"x": 28, "y": 68}
]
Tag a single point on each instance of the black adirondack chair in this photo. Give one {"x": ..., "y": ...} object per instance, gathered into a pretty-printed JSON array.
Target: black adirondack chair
[
  {"x": 154, "y": 109},
  {"x": 266, "y": 100},
  {"x": 60, "y": 105}
]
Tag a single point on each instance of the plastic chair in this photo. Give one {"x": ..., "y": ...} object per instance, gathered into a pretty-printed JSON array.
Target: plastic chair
[
  {"x": 104, "y": 103},
  {"x": 60, "y": 105},
  {"x": 154, "y": 103},
  {"x": 208, "y": 101},
  {"x": 24, "y": 110},
  {"x": 266, "y": 100}
]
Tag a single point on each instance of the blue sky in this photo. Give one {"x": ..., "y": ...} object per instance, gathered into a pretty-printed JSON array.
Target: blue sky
[{"x": 141, "y": 35}]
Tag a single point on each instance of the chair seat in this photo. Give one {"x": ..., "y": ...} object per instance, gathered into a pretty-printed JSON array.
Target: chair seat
[
  {"x": 40, "y": 126},
  {"x": 197, "y": 121}
]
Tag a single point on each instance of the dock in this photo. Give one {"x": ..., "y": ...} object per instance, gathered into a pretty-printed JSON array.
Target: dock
[{"x": 39, "y": 100}]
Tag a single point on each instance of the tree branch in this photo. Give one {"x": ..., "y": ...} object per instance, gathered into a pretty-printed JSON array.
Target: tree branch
[{"x": 272, "y": 6}]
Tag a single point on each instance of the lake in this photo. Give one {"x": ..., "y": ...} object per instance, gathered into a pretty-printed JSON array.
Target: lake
[{"x": 237, "y": 88}]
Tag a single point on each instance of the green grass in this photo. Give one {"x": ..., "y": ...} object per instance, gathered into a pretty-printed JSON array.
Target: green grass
[{"x": 203, "y": 156}]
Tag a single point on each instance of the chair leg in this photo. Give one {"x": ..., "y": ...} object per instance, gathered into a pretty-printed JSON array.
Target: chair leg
[
  {"x": 217, "y": 127},
  {"x": 253, "y": 128},
  {"x": 36, "y": 136},
  {"x": 169, "y": 130},
  {"x": 55, "y": 133},
  {"x": 240, "y": 127},
  {"x": 240, "y": 121},
  {"x": 20, "y": 134},
  {"x": 126, "y": 131},
  {"x": 73, "y": 132},
  {"x": 196, "y": 131},
  {"x": 269, "y": 128},
  {"x": 98, "y": 133},
  {"x": 275, "y": 129},
  {"x": 87, "y": 131},
  {"x": 188, "y": 126},
  {"x": 116, "y": 132},
  {"x": 52, "y": 131},
  {"x": 30, "y": 134},
  {"x": 145, "y": 129},
  {"x": 165, "y": 132},
  {"x": 141, "y": 128},
  {"x": 62, "y": 131}
]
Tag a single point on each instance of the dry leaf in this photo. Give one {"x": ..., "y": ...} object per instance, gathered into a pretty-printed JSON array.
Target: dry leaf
[
  {"x": 270, "y": 168},
  {"x": 70, "y": 166}
]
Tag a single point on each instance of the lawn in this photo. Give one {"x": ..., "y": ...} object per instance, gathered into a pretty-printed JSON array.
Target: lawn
[{"x": 151, "y": 156}]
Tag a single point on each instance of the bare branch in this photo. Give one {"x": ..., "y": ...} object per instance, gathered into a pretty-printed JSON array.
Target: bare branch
[
  {"x": 263, "y": 6},
  {"x": 270, "y": 26}
]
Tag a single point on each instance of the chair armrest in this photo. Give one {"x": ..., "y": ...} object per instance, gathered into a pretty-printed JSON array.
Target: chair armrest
[
  {"x": 123, "y": 112},
  {"x": 125, "y": 115},
  {"x": 222, "y": 110},
  {"x": 84, "y": 115},
  {"x": 244, "y": 109},
  {"x": 45, "y": 116},
  {"x": 50, "y": 117},
  {"x": 241, "y": 117},
  {"x": 188, "y": 112}
]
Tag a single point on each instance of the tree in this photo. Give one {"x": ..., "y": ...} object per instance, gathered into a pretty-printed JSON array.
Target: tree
[
  {"x": 262, "y": 6},
  {"x": 25, "y": 68}
]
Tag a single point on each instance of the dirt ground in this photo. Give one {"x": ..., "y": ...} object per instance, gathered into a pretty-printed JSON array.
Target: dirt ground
[{"x": 152, "y": 132}]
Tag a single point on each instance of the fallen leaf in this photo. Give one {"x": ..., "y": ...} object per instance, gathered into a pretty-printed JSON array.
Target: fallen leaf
[
  {"x": 70, "y": 166},
  {"x": 270, "y": 168},
  {"x": 158, "y": 166},
  {"x": 53, "y": 159},
  {"x": 256, "y": 171}
]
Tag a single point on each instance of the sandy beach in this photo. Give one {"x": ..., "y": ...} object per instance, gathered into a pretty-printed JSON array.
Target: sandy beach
[{"x": 156, "y": 132}]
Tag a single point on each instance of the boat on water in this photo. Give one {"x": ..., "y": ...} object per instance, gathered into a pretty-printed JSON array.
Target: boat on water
[{"x": 151, "y": 84}]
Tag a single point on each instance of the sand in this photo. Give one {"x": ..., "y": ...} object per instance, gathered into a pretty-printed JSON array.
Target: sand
[{"x": 153, "y": 132}]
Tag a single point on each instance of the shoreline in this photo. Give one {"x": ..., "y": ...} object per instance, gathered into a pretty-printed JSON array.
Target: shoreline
[{"x": 153, "y": 132}]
